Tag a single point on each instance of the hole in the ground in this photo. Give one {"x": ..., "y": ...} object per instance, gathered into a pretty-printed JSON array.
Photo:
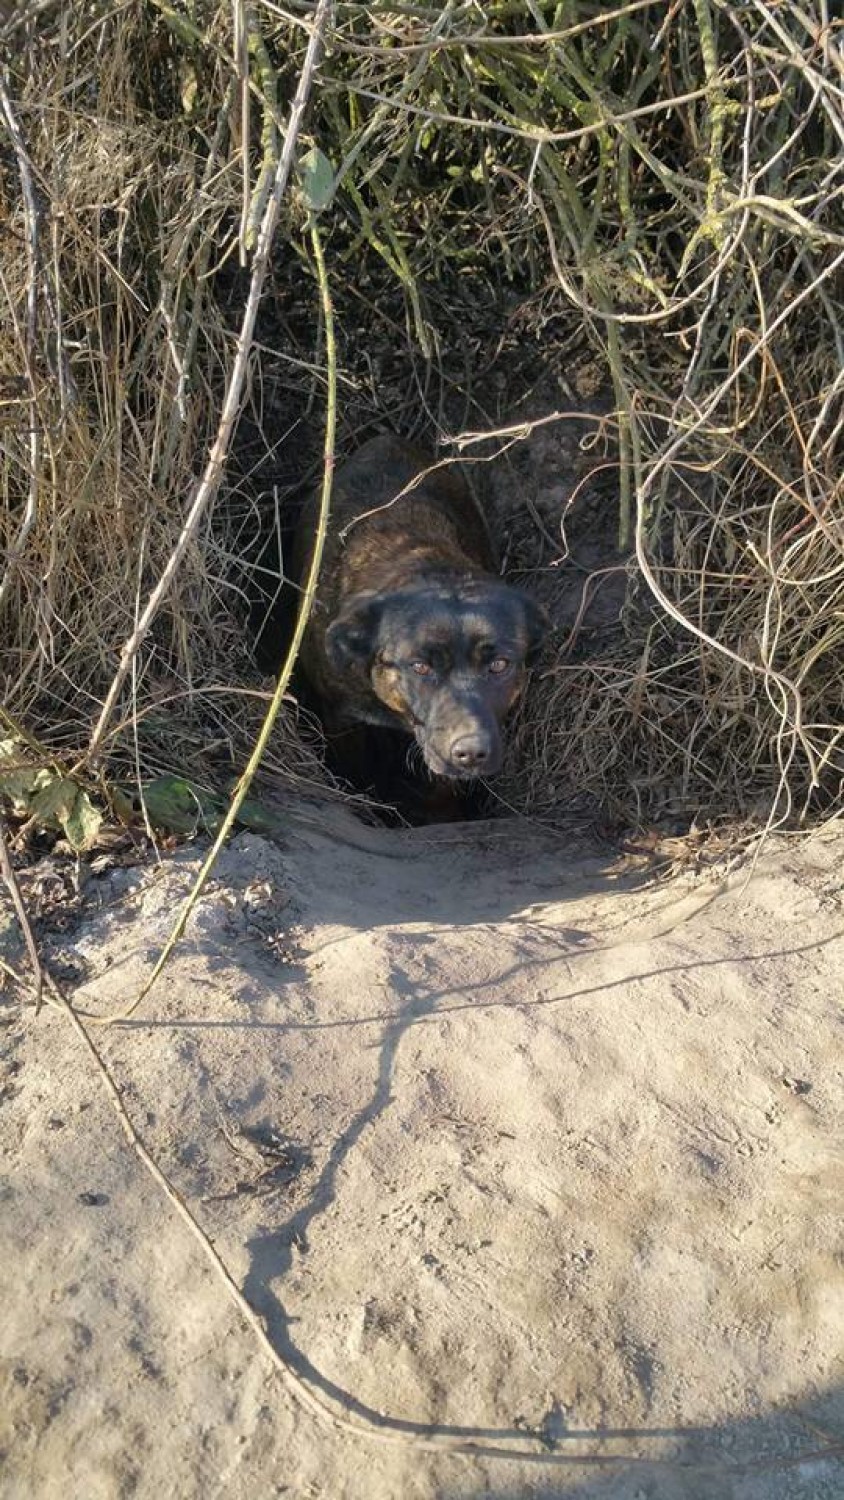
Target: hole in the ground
[
  {"x": 386, "y": 764},
  {"x": 383, "y": 764},
  {"x": 549, "y": 505}
]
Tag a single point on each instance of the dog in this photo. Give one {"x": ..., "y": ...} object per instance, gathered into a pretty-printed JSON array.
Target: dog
[{"x": 413, "y": 630}]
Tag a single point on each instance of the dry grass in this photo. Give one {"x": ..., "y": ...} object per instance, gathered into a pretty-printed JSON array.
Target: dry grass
[
  {"x": 653, "y": 192},
  {"x": 112, "y": 402}
]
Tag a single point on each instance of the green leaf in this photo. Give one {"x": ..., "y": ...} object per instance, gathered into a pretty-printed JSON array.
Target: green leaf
[
  {"x": 258, "y": 819},
  {"x": 17, "y": 788},
  {"x": 63, "y": 802},
  {"x": 54, "y": 802},
  {"x": 83, "y": 822},
  {"x": 174, "y": 805},
  {"x": 124, "y": 806},
  {"x": 18, "y": 781},
  {"x": 317, "y": 176}
]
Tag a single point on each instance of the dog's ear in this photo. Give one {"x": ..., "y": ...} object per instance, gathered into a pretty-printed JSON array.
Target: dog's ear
[
  {"x": 537, "y": 626},
  {"x": 351, "y": 639}
]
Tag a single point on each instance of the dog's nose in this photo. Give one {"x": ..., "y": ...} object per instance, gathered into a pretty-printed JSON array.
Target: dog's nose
[{"x": 471, "y": 752}]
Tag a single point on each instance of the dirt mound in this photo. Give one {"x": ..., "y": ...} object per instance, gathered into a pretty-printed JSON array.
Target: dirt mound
[{"x": 508, "y": 1146}]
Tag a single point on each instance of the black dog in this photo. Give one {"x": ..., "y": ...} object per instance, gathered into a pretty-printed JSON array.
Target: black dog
[{"x": 413, "y": 630}]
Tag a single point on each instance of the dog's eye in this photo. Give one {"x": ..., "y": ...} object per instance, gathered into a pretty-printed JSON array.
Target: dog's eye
[
  {"x": 498, "y": 665},
  {"x": 422, "y": 669}
]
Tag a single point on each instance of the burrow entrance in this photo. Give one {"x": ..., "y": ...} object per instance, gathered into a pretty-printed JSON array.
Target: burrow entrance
[{"x": 548, "y": 496}]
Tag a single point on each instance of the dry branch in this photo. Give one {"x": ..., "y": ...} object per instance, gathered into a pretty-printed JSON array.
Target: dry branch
[{"x": 210, "y": 481}]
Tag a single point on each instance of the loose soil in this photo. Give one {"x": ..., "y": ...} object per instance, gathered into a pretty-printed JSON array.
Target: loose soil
[{"x": 506, "y": 1140}]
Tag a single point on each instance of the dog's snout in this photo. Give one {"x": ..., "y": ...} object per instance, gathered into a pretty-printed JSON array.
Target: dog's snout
[{"x": 472, "y": 752}]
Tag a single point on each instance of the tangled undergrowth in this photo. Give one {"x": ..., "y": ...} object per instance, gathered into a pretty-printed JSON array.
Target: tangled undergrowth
[{"x": 617, "y": 229}]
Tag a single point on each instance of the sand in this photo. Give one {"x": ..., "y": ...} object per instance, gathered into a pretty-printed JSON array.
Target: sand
[{"x": 507, "y": 1143}]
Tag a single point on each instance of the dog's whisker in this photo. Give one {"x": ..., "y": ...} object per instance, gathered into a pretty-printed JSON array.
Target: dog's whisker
[{"x": 414, "y": 759}]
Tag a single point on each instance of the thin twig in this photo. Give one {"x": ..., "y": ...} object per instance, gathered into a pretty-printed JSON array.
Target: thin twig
[
  {"x": 305, "y": 608},
  {"x": 32, "y": 216},
  {"x": 13, "y": 887}
]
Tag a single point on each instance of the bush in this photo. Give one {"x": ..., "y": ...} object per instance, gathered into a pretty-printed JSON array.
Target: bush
[{"x": 629, "y": 214}]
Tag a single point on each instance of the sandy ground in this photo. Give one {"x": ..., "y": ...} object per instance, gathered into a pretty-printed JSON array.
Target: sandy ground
[{"x": 504, "y": 1144}]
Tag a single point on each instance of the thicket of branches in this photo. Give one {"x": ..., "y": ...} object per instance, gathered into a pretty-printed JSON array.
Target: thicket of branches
[{"x": 658, "y": 183}]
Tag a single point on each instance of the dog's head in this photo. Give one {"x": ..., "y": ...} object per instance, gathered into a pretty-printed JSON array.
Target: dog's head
[{"x": 447, "y": 660}]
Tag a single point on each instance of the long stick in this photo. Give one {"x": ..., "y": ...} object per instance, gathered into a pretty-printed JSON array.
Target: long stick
[
  {"x": 11, "y": 881},
  {"x": 32, "y": 216},
  {"x": 234, "y": 394},
  {"x": 305, "y": 607}
]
